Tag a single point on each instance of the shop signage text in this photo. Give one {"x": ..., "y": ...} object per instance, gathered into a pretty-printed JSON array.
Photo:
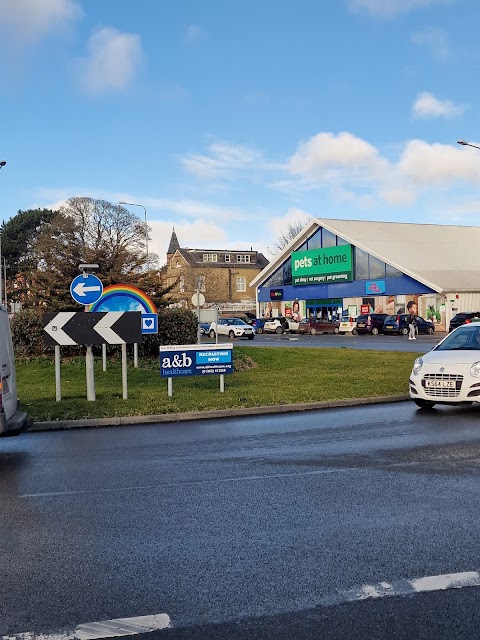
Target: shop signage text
[
  {"x": 375, "y": 287},
  {"x": 195, "y": 360},
  {"x": 276, "y": 294},
  {"x": 332, "y": 264}
]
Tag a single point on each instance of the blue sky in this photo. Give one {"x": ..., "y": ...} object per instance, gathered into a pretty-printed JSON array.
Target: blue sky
[{"x": 230, "y": 120}]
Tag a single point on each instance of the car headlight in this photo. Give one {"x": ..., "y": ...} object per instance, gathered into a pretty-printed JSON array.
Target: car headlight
[
  {"x": 417, "y": 366},
  {"x": 475, "y": 370}
]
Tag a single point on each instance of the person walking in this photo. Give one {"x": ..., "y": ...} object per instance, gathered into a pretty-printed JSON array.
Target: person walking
[{"x": 412, "y": 320}]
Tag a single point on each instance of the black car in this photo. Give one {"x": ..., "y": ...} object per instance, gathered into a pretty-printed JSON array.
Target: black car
[
  {"x": 465, "y": 317},
  {"x": 371, "y": 323},
  {"x": 399, "y": 324}
]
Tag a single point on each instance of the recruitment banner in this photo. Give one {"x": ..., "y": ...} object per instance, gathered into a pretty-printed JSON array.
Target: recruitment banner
[
  {"x": 195, "y": 360},
  {"x": 318, "y": 266}
]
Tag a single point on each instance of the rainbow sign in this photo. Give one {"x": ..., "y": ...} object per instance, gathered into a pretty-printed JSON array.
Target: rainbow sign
[{"x": 123, "y": 297}]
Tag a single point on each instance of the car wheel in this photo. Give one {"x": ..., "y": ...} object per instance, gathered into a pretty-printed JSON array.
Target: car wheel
[
  {"x": 279, "y": 330},
  {"x": 259, "y": 330},
  {"x": 342, "y": 333},
  {"x": 336, "y": 331},
  {"x": 374, "y": 331},
  {"x": 251, "y": 337},
  {"x": 430, "y": 330},
  {"x": 404, "y": 331},
  {"x": 231, "y": 334},
  {"x": 424, "y": 404},
  {"x": 313, "y": 331},
  {"x": 212, "y": 333},
  {"x": 354, "y": 332}
]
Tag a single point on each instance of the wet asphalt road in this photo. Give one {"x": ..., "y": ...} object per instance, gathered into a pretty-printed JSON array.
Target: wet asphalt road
[{"x": 244, "y": 528}]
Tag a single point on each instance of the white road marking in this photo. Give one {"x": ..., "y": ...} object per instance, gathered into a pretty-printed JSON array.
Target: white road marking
[
  {"x": 405, "y": 587},
  {"x": 105, "y": 629}
]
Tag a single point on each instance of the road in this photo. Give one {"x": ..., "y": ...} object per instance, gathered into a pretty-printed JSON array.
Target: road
[
  {"x": 423, "y": 343},
  {"x": 262, "y": 527}
]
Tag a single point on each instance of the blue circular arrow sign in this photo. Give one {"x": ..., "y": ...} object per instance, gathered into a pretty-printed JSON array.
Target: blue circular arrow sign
[{"x": 86, "y": 289}]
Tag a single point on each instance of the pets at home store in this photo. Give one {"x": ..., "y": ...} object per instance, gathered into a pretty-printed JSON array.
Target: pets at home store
[{"x": 323, "y": 274}]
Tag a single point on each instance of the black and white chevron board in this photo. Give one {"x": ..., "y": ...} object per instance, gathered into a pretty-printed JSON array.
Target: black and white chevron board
[{"x": 78, "y": 327}]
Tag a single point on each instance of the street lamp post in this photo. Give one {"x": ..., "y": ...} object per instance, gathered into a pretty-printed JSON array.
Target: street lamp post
[
  {"x": 134, "y": 204},
  {"x": 2, "y": 164},
  {"x": 467, "y": 144}
]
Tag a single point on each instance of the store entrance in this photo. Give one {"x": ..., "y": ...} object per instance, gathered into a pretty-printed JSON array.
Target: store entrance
[{"x": 329, "y": 309}]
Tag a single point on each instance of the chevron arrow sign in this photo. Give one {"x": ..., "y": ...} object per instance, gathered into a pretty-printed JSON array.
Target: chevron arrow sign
[{"x": 77, "y": 327}]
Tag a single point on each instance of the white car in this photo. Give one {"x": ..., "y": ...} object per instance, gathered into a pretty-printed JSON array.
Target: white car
[
  {"x": 347, "y": 325},
  {"x": 280, "y": 325},
  {"x": 233, "y": 328},
  {"x": 450, "y": 372}
]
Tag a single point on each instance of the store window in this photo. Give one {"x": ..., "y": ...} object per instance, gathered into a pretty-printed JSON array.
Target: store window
[
  {"x": 392, "y": 272},
  {"x": 275, "y": 279},
  {"x": 287, "y": 272},
  {"x": 376, "y": 268},
  {"x": 315, "y": 242},
  {"x": 361, "y": 264},
  {"x": 329, "y": 239}
]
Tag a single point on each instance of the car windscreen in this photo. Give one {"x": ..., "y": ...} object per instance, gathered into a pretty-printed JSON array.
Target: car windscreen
[
  {"x": 465, "y": 338},
  {"x": 391, "y": 319},
  {"x": 362, "y": 318}
]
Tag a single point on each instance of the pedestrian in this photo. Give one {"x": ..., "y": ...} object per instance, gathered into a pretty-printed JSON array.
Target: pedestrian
[{"x": 412, "y": 320}]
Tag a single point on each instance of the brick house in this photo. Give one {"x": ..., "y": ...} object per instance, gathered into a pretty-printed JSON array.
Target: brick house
[{"x": 222, "y": 275}]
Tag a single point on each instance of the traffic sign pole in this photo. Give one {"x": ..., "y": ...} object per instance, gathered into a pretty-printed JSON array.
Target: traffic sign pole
[{"x": 58, "y": 386}]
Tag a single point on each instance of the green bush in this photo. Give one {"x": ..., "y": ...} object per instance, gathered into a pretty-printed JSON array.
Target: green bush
[{"x": 175, "y": 326}]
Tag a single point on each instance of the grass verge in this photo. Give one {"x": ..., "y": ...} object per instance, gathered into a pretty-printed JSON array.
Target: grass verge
[{"x": 268, "y": 376}]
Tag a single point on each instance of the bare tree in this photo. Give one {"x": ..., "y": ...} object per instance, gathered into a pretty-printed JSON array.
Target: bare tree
[{"x": 292, "y": 231}]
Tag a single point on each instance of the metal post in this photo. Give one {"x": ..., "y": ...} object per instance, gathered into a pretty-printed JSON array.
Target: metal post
[
  {"x": 222, "y": 383},
  {"x": 104, "y": 356},
  {"x": 58, "y": 387},
  {"x": 170, "y": 387},
  {"x": 198, "y": 311},
  {"x": 124, "y": 372},
  {"x": 90, "y": 373},
  {"x": 135, "y": 355}
]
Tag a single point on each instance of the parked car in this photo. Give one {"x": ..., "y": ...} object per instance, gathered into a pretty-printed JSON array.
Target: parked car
[
  {"x": 346, "y": 324},
  {"x": 450, "y": 372},
  {"x": 317, "y": 325},
  {"x": 276, "y": 325},
  {"x": 371, "y": 323},
  {"x": 465, "y": 317},
  {"x": 258, "y": 325},
  {"x": 399, "y": 324},
  {"x": 233, "y": 328},
  {"x": 241, "y": 316},
  {"x": 204, "y": 327}
]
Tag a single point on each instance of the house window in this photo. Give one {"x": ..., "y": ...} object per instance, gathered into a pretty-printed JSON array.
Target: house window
[
  {"x": 241, "y": 284},
  {"x": 243, "y": 258},
  {"x": 228, "y": 258},
  {"x": 209, "y": 257},
  {"x": 201, "y": 283},
  {"x": 182, "y": 284}
]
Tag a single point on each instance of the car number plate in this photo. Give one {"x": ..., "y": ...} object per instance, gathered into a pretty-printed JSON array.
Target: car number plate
[
  {"x": 360, "y": 325},
  {"x": 442, "y": 384},
  {"x": 389, "y": 326}
]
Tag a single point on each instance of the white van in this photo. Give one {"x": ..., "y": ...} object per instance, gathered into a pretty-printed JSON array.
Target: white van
[{"x": 12, "y": 419}]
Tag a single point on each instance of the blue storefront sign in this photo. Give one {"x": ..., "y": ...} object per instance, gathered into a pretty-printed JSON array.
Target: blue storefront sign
[
  {"x": 195, "y": 360},
  {"x": 375, "y": 287}
]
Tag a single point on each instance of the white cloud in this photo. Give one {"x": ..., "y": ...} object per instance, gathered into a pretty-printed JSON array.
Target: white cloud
[
  {"x": 197, "y": 234},
  {"x": 390, "y": 8},
  {"x": 435, "y": 40},
  {"x": 112, "y": 61},
  {"x": 427, "y": 106},
  {"x": 279, "y": 225},
  {"x": 25, "y": 21},
  {"x": 224, "y": 157},
  {"x": 192, "y": 34},
  {"x": 434, "y": 165},
  {"x": 343, "y": 152}
]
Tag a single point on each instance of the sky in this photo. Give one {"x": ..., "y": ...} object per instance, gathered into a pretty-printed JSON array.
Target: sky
[{"x": 229, "y": 121}]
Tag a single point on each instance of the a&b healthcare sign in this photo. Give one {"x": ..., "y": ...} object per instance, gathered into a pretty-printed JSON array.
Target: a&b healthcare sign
[
  {"x": 317, "y": 266},
  {"x": 195, "y": 360}
]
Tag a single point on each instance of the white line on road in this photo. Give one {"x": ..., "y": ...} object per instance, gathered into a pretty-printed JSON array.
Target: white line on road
[
  {"x": 405, "y": 587},
  {"x": 105, "y": 629}
]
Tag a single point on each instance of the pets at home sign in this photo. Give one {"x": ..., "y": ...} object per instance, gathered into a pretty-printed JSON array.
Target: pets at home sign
[{"x": 195, "y": 360}]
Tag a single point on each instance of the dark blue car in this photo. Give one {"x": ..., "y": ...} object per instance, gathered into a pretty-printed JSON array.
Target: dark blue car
[{"x": 258, "y": 324}]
